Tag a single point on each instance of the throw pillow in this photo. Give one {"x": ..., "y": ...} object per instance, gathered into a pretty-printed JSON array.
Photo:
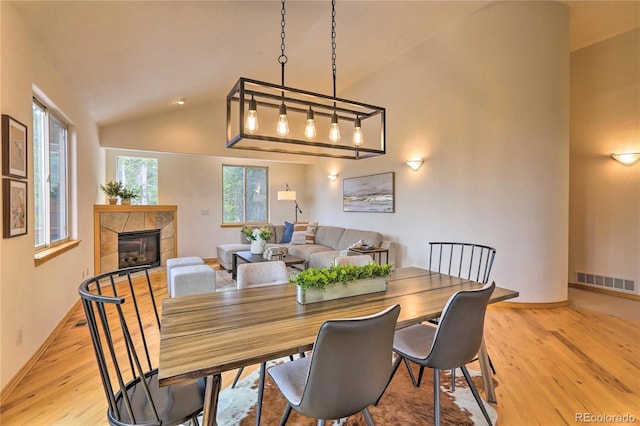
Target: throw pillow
[
  {"x": 288, "y": 232},
  {"x": 299, "y": 237},
  {"x": 310, "y": 234},
  {"x": 300, "y": 226}
]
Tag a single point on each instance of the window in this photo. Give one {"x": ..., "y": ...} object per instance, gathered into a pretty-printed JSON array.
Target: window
[
  {"x": 244, "y": 194},
  {"x": 50, "y": 176},
  {"x": 141, "y": 175}
]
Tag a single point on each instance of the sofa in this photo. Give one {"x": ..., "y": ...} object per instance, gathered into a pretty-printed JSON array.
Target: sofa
[{"x": 329, "y": 242}]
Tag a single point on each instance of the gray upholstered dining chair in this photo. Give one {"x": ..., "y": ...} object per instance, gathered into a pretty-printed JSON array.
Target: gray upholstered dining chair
[
  {"x": 348, "y": 370},
  {"x": 451, "y": 344},
  {"x": 358, "y": 260},
  {"x": 260, "y": 274}
]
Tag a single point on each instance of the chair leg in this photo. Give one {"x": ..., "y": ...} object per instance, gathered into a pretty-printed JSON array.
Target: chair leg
[
  {"x": 493, "y": 370},
  {"x": 321, "y": 422},
  {"x": 453, "y": 380},
  {"x": 420, "y": 375},
  {"x": 285, "y": 415},
  {"x": 263, "y": 368},
  {"x": 474, "y": 391},
  {"x": 235, "y": 381},
  {"x": 436, "y": 396},
  {"x": 367, "y": 417},
  {"x": 396, "y": 364},
  {"x": 415, "y": 382}
]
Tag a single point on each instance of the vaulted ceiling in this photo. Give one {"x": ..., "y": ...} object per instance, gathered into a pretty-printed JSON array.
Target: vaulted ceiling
[{"x": 126, "y": 59}]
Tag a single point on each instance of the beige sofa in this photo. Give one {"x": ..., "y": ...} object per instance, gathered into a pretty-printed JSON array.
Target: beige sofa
[{"x": 330, "y": 242}]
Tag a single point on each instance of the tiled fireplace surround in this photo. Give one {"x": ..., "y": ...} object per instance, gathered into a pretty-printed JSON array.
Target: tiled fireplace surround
[{"x": 109, "y": 220}]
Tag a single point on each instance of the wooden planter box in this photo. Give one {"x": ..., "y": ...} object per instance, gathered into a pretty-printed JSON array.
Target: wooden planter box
[{"x": 358, "y": 287}]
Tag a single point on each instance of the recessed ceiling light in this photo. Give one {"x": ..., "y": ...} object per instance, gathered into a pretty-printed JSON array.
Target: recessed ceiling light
[{"x": 180, "y": 101}]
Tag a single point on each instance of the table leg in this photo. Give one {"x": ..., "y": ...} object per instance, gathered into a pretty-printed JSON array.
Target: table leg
[
  {"x": 211, "y": 400},
  {"x": 234, "y": 266},
  {"x": 263, "y": 368},
  {"x": 485, "y": 368}
]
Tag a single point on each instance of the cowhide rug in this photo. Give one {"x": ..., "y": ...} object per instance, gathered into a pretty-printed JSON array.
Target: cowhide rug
[{"x": 402, "y": 404}]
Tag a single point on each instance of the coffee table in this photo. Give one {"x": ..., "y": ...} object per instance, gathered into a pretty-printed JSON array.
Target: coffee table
[{"x": 248, "y": 257}]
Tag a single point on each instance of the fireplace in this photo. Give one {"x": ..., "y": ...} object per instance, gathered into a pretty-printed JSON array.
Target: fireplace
[{"x": 139, "y": 248}]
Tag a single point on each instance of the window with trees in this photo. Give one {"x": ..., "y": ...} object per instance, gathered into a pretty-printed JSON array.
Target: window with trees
[
  {"x": 51, "y": 178},
  {"x": 139, "y": 174},
  {"x": 244, "y": 194}
]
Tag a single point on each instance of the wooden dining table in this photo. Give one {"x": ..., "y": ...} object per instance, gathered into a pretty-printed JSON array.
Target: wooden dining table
[{"x": 206, "y": 334}]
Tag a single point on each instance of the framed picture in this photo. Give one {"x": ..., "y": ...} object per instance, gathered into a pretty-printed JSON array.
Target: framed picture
[
  {"x": 14, "y": 206},
  {"x": 14, "y": 148},
  {"x": 374, "y": 193}
]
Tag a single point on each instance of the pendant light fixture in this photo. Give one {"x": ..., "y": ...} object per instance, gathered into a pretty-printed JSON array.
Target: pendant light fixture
[{"x": 315, "y": 118}]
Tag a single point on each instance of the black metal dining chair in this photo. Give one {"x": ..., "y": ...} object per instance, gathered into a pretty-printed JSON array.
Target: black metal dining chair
[{"x": 121, "y": 337}]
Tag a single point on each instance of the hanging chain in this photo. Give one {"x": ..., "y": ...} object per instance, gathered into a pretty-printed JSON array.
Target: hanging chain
[
  {"x": 333, "y": 44},
  {"x": 282, "y": 59}
]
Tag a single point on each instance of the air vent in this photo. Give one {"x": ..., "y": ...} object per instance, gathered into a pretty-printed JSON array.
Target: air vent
[{"x": 613, "y": 283}]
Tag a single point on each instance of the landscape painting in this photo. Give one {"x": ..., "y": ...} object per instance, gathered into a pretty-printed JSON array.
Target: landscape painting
[{"x": 374, "y": 193}]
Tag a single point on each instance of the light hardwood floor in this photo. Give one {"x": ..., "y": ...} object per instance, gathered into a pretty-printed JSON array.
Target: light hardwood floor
[{"x": 552, "y": 365}]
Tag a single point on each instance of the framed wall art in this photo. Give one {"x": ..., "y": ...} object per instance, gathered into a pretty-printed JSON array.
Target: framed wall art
[
  {"x": 14, "y": 206},
  {"x": 373, "y": 193},
  {"x": 14, "y": 148}
]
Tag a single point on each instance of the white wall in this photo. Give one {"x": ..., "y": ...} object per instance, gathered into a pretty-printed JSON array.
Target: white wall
[
  {"x": 485, "y": 101},
  {"x": 33, "y": 300},
  {"x": 194, "y": 184},
  {"x": 198, "y": 129},
  {"x": 605, "y": 195}
]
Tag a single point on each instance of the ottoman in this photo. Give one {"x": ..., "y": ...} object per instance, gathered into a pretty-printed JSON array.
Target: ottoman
[
  {"x": 193, "y": 279},
  {"x": 177, "y": 262}
]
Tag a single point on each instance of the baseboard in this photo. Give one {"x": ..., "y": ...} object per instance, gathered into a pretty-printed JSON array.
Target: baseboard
[
  {"x": 517, "y": 305},
  {"x": 605, "y": 291},
  {"x": 17, "y": 378}
]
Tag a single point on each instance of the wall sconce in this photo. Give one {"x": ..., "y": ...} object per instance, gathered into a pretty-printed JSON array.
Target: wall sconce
[
  {"x": 332, "y": 176},
  {"x": 415, "y": 164},
  {"x": 628, "y": 158}
]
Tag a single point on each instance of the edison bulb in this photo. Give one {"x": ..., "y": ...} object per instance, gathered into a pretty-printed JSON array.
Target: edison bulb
[
  {"x": 310, "y": 128},
  {"x": 283, "y": 124},
  {"x": 334, "y": 131},
  {"x": 251, "y": 123},
  {"x": 358, "y": 137}
]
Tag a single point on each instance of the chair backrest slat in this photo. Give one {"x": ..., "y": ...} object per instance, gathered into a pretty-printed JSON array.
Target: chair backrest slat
[{"x": 463, "y": 260}]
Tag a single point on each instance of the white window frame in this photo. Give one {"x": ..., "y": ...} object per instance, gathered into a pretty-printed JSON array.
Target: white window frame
[
  {"x": 49, "y": 114},
  {"x": 245, "y": 198}
]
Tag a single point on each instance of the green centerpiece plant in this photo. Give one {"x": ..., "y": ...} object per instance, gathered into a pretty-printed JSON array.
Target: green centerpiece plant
[{"x": 324, "y": 278}]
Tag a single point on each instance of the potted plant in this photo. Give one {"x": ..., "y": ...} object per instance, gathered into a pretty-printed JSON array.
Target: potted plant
[
  {"x": 319, "y": 284},
  {"x": 257, "y": 236},
  {"x": 112, "y": 190},
  {"x": 128, "y": 194}
]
